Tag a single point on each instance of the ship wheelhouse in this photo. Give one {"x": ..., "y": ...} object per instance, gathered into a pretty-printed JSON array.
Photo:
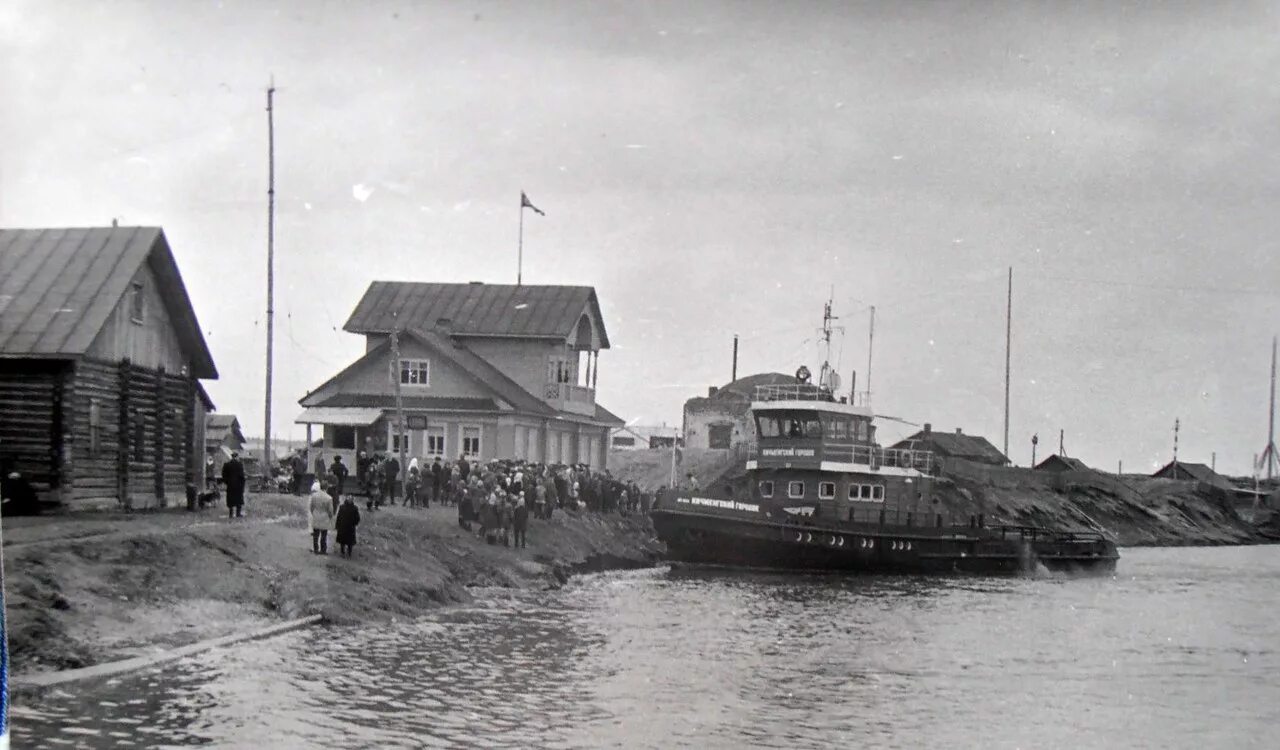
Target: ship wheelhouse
[{"x": 816, "y": 457}]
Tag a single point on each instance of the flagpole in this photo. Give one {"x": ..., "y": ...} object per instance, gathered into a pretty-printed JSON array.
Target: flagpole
[{"x": 520, "y": 246}]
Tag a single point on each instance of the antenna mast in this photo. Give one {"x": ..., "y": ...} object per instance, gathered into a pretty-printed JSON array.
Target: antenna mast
[
  {"x": 271, "y": 277},
  {"x": 1008, "y": 346},
  {"x": 1268, "y": 456},
  {"x": 827, "y": 377}
]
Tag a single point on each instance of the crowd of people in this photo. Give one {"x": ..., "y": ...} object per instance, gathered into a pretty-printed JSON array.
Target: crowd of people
[{"x": 495, "y": 500}]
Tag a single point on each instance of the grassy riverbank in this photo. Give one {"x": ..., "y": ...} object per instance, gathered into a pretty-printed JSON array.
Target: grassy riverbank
[{"x": 88, "y": 589}]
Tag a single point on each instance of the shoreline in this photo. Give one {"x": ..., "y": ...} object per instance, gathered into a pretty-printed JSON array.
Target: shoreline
[{"x": 144, "y": 584}]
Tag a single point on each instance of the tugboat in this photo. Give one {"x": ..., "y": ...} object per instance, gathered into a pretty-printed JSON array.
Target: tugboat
[{"x": 820, "y": 494}]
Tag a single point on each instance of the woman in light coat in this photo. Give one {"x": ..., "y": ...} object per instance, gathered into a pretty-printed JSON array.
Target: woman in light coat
[{"x": 320, "y": 512}]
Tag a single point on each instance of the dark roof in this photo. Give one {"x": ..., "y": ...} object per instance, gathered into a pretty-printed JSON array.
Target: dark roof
[
  {"x": 58, "y": 287},
  {"x": 216, "y": 427},
  {"x": 957, "y": 445},
  {"x": 440, "y": 403},
  {"x": 608, "y": 417},
  {"x": 476, "y": 309},
  {"x": 1062, "y": 462},
  {"x": 1198, "y": 472},
  {"x": 746, "y": 386}
]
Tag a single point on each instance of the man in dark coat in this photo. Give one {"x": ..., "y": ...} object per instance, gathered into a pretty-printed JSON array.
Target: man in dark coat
[
  {"x": 345, "y": 526},
  {"x": 233, "y": 478},
  {"x": 464, "y": 467},
  {"x": 339, "y": 471},
  {"x": 299, "y": 467},
  {"x": 437, "y": 478},
  {"x": 391, "y": 470},
  {"x": 18, "y": 496}
]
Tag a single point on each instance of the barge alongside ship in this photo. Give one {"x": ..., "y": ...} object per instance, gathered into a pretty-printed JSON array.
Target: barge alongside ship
[{"x": 820, "y": 494}]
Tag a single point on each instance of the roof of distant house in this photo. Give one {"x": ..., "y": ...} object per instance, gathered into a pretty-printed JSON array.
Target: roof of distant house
[
  {"x": 58, "y": 287},
  {"x": 1199, "y": 472},
  {"x": 217, "y": 426},
  {"x": 1066, "y": 461},
  {"x": 476, "y": 309},
  {"x": 957, "y": 444}
]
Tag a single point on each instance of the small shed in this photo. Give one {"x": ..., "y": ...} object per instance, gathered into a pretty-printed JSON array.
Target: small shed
[{"x": 1061, "y": 463}]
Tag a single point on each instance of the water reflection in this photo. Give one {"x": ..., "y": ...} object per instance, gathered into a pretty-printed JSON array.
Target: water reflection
[{"x": 1174, "y": 652}]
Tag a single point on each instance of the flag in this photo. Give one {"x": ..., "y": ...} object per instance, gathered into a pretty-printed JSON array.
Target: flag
[{"x": 524, "y": 203}]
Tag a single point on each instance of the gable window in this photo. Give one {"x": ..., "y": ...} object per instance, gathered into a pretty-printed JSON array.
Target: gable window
[
  {"x": 561, "y": 370},
  {"x": 415, "y": 372},
  {"x": 766, "y": 488},
  {"x": 137, "y": 304},
  {"x": 795, "y": 490},
  {"x": 826, "y": 490}
]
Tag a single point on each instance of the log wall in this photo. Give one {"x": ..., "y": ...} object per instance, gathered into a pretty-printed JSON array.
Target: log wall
[{"x": 29, "y": 429}]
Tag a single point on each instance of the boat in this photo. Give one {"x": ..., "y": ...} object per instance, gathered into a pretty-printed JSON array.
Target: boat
[{"x": 818, "y": 494}]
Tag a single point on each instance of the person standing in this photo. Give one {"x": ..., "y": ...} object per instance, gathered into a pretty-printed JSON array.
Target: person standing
[
  {"x": 345, "y": 526},
  {"x": 233, "y": 479},
  {"x": 520, "y": 521},
  {"x": 391, "y": 470},
  {"x": 437, "y": 475},
  {"x": 464, "y": 467},
  {"x": 320, "y": 510},
  {"x": 339, "y": 471}
]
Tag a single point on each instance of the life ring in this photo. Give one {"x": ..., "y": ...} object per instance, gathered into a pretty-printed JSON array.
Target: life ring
[
  {"x": 799, "y": 537},
  {"x": 864, "y": 543},
  {"x": 841, "y": 542},
  {"x": 808, "y": 537},
  {"x": 831, "y": 542}
]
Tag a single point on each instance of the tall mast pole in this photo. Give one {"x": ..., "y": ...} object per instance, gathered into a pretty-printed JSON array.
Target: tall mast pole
[
  {"x": 400, "y": 430},
  {"x": 271, "y": 273},
  {"x": 871, "y": 340},
  {"x": 1008, "y": 344},
  {"x": 520, "y": 246},
  {"x": 1269, "y": 454}
]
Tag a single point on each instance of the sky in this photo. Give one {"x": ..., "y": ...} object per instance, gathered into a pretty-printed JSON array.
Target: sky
[{"x": 712, "y": 169}]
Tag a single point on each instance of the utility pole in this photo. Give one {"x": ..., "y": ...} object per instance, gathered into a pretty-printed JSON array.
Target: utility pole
[
  {"x": 735, "y": 359},
  {"x": 1177, "y": 423},
  {"x": 1008, "y": 344},
  {"x": 1061, "y": 451},
  {"x": 271, "y": 273},
  {"x": 395, "y": 379},
  {"x": 1035, "y": 440},
  {"x": 871, "y": 340}
]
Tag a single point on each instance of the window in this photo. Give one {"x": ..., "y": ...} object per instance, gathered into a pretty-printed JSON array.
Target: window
[
  {"x": 622, "y": 441},
  {"x": 415, "y": 372},
  {"x": 826, "y": 490},
  {"x": 861, "y": 426},
  {"x": 435, "y": 441},
  {"x": 561, "y": 370},
  {"x": 395, "y": 444},
  {"x": 137, "y": 304},
  {"x": 471, "y": 442},
  {"x": 795, "y": 490},
  {"x": 787, "y": 424},
  {"x": 837, "y": 427},
  {"x": 344, "y": 437},
  {"x": 866, "y": 492},
  {"x": 766, "y": 488}
]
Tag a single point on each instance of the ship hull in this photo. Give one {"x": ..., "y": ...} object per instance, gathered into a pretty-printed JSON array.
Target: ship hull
[{"x": 713, "y": 539}]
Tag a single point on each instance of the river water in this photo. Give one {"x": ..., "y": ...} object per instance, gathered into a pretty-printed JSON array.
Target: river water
[{"x": 1180, "y": 649}]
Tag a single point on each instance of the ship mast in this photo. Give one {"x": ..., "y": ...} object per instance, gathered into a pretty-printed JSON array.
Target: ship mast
[{"x": 827, "y": 377}]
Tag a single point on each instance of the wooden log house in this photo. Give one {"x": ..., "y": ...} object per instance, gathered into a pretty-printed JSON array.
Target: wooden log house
[{"x": 101, "y": 358}]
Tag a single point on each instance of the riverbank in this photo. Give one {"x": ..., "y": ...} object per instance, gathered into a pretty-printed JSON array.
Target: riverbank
[{"x": 88, "y": 589}]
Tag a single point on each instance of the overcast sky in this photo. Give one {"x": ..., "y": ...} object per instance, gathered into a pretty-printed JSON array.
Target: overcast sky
[{"x": 710, "y": 168}]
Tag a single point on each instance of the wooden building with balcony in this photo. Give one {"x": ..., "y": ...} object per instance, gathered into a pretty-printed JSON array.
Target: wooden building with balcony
[
  {"x": 485, "y": 370},
  {"x": 101, "y": 358}
]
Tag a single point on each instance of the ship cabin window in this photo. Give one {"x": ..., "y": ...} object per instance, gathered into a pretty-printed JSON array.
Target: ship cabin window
[
  {"x": 766, "y": 488},
  {"x": 789, "y": 424},
  {"x": 795, "y": 490},
  {"x": 837, "y": 427},
  {"x": 866, "y": 492},
  {"x": 861, "y": 429},
  {"x": 826, "y": 490}
]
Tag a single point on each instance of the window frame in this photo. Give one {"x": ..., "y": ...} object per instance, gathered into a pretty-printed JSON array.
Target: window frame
[
  {"x": 463, "y": 437},
  {"x": 138, "y": 303},
  {"x": 831, "y": 495},
  {"x": 410, "y": 365},
  {"x": 760, "y": 487},
  {"x": 791, "y": 495}
]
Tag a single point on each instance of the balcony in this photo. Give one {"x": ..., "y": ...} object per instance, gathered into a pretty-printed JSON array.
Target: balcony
[
  {"x": 576, "y": 399},
  {"x": 812, "y": 454}
]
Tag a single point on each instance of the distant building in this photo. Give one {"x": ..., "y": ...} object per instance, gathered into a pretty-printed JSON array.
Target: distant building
[
  {"x": 101, "y": 358},
  {"x": 1061, "y": 463},
  {"x": 636, "y": 437},
  {"x": 222, "y": 437},
  {"x": 722, "y": 418},
  {"x": 1194, "y": 473},
  {"x": 486, "y": 371},
  {"x": 956, "y": 445}
]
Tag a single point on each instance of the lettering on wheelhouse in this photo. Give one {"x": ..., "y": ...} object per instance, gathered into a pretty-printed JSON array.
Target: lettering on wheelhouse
[
  {"x": 786, "y": 452},
  {"x": 714, "y": 503}
]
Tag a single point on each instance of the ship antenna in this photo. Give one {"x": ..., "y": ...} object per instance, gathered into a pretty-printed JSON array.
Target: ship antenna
[{"x": 827, "y": 328}]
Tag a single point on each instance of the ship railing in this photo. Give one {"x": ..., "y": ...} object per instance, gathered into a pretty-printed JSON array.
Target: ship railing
[
  {"x": 793, "y": 392},
  {"x": 917, "y": 519},
  {"x": 866, "y": 455}
]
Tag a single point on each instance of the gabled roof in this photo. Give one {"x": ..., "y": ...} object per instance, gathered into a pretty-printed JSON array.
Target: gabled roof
[
  {"x": 476, "y": 309},
  {"x": 956, "y": 444},
  {"x": 1198, "y": 472},
  {"x": 1062, "y": 462},
  {"x": 217, "y": 426},
  {"x": 58, "y": 287}
]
